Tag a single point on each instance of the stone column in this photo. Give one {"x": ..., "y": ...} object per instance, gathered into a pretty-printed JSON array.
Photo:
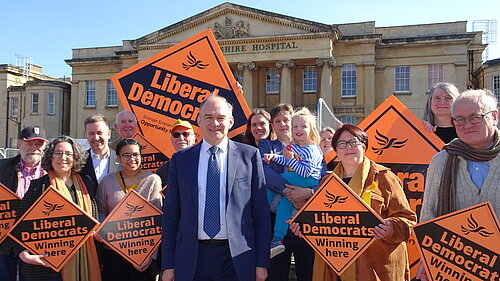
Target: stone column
[
  {"x": 369, "y": 87},
  {"x": 326, "y": 87},
  {"x": 247, "y": 68},
  {"x": 285, "y": 80}
]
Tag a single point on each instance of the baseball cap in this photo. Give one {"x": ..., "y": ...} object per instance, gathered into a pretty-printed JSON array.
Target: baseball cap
[
  {"x": 32, "y": 133},
  {"x": 182, "y": 123}
]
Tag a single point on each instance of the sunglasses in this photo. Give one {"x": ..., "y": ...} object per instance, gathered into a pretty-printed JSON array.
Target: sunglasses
[{"x": 178, "y": 134}]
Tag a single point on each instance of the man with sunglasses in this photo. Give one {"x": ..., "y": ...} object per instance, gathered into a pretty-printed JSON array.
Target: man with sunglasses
[
  {"x": 182, "y": 136},
  {"x": 465, "y": 172}
]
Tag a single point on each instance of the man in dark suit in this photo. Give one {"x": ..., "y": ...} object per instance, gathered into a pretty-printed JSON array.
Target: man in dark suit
[
  {"x": 216, "y": 223},
  {"x": 102, "y": 159},
  {"x": 16, "y": 173}
]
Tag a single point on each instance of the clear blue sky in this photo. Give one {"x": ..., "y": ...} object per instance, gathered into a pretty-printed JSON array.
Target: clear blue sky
[{"x": 49, "y": 30}]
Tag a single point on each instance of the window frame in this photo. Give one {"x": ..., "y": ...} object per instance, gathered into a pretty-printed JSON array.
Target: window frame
[
  {"x": 111, "y": 94},
  {"x": 90, "y": 92},
  {"x": 349, "y": 81},
  {"x": 310, "y": 84},
  {"x": 432, "y": 78},
  {"x": 14, "y": 107},
  {"x": 402, "y": 79},
  {"x": 49, "y": 103},
  {"x": 35, "y": 105},
  {"x": 496, "y": 86},
  {"x": 273, "y": 79}
]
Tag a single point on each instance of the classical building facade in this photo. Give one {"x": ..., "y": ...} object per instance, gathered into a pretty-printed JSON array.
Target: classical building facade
[
  {"x": 489, "y": 76},
  {"x": 277, "y": 58},
  {"x": 32, "y": 98}
]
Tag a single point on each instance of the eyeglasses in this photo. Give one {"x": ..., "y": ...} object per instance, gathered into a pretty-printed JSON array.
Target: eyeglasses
[
  {"x": 126, "y": 156},
  {"x": 178, "y": 134},
  {"x": 474, "y": 119},
  {"x": 446, "y": 99},
  {"x": 59, "y": 154},
  {"x": 352, "y": 143}
]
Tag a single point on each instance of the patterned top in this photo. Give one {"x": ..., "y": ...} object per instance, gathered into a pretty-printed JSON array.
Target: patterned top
[{"x": 309, "y": 163}]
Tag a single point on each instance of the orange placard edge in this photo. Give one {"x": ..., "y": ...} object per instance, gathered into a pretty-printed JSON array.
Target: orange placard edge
[{"x": 16, "y": 196}]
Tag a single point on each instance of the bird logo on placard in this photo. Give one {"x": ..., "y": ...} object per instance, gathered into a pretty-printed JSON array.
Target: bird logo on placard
[
  {"x": 51, "y": 207},
  {"x": 193, "y": 62},
  {"x": 473, "y": 227},
  {"x": 132, "y": 209},
  {"x": 333, "y": 199},
  {"x": 386, "y": 143}
]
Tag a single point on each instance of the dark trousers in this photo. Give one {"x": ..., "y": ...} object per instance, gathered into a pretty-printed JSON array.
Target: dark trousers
[
  {"x": 214, "y": 263},
  {"x": 9, "y": 268},
  {"x": 117, "y": 268},
  {"x": 304, "y": 260}
]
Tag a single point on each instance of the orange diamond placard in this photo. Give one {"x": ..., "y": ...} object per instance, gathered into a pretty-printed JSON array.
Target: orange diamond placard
[
  {"x": 398, "y": 140},
  {"x": 337, "y": 223},
  {"x": 151, "y": 157},
  {"x": 172, "y": 84},
  {"x": 463, "y": 245},
  {"x": 133, "y": 228},
  {"x": 53, "y": 226},
  {"x": 8, "y": 206}
]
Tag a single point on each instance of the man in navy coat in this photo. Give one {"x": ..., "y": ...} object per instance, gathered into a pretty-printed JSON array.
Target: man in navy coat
[{"x": 223, "y": 239}]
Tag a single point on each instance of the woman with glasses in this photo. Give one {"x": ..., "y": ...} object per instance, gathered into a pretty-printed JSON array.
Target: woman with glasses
[
  {"x": 386, "y": 259},
  {"x": 112, "y": 189},
  {"x": 63, "y": 159},
  {"x": 437, "y": 117}
]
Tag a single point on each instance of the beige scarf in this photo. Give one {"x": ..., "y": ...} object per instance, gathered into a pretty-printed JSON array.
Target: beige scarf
[{"x": 84, "y": 265}]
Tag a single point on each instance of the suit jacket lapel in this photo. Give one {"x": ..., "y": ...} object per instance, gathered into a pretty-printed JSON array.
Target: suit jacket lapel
[{"x": 232, "y": 163}]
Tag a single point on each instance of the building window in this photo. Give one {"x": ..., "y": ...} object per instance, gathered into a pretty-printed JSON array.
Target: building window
[
  {"x": 51, "y": 97},
  {"x": 402, "y": 79},
  {"x": 112, "y": 99},
  {"x": 34, "y": 102},
  {"x": 111, "y": 126},
  {"x": 310, "y": 80},
  {"x": 14, "y": 107},
  {"x": 348, "y": 119},
  {"x": 435, "y": 74},
  {"x": 496, "y": 86},
  {"x": 348, "y": 80},
  {"x": 272, "y": 81},
  {"x": 90, "y": 94}
]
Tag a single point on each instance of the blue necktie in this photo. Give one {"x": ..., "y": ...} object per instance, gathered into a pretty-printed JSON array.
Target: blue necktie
[{"x": 211, "y": 221}]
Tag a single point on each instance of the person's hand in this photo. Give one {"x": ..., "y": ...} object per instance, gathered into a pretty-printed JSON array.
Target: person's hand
[
  {"x": 268, "y": 157},
  {"x": 299, "y": 205},
  {"x": 98, "y": 237},
  {"x": 144, "y": 266},
  {"x": 428, "y": 126},
  {"x": 297, "y": 194},
  {"x": 295, "y": 228},
  {"x": 383, "y": 230},
  {"x": 421, "y": 274},
  {"x": 260, "y": 273},
  {"x": 167, "y": 275},
  {"x": 28, "y": 258},
  {"x": 287, "y": 152}
]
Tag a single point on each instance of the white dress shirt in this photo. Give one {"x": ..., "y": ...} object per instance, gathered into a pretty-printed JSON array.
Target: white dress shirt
[
  {"x": 101, "y": 166},
  {"x": 202, "y": 187}
]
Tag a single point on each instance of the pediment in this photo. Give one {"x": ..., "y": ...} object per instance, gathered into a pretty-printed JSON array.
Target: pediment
[{"x": 230, "y": 21}]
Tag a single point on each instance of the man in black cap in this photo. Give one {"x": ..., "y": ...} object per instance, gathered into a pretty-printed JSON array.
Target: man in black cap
[{"x": 16, "y": 173}]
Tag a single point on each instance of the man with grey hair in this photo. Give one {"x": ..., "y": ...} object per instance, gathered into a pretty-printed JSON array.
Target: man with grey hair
[
  {"x": 465, "y": 172},
  {"x": 126, "y": 125},
  {"x": 16, "y": 173}
]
